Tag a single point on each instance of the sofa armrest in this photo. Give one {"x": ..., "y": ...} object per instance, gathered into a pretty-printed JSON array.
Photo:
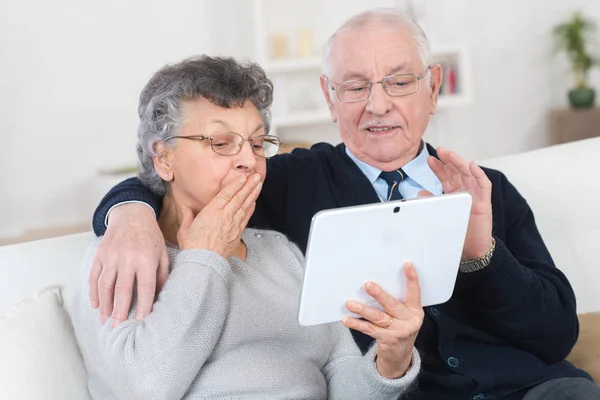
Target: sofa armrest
[{"x": 586, "y": 353}]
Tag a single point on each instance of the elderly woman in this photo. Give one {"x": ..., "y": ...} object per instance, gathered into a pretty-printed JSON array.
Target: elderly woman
[{"x": 224, "y": 325}]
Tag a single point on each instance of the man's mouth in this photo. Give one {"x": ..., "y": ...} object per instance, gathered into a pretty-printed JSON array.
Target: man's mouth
[{"x": 376, "y": 129}]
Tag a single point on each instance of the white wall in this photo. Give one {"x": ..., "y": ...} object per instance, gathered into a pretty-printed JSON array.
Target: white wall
[
  {"x": 71, "y": 72},
  {"x": 516, "y": 77}
]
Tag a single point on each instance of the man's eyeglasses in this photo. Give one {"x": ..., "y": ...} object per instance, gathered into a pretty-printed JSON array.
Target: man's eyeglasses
[
  {"x": 394, "y": 85},
  {"x": 230, "y": 143}
]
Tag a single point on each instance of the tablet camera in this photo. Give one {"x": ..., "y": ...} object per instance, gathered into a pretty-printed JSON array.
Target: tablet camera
[{"x": 396, "y": 210}]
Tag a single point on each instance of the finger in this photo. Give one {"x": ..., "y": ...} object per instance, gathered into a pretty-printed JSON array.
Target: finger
[
  {"x": 442, "y": 172},
  {"x": 468, "y": 180},
  {"x": 228, "y": 192},
  {"x": 146, "y": 289},
  {"x": 452, "y": 163},
  {"x": 471, "y": 183},
  {"x": 242, "y": 195},
  {"x": 123, "y": 294},
  {"x": 247, "y": 208},
  {"x": 480, "y": 176},
  {"x": 443, "y": 154},
  {"x": 246, "y": 219},
  {"x": 187, "y": 218},
  {"x": 413, "y": 289},
  {"x": 371, "y": 314},
  {"x": 163, "y": 271},
  {"x": 106, "y": 284},
  {"x": 389, "y": 303},
  {"x": 93, "y": 280},
  {"x": 462, "y": 165},
  {"x": 456, "y": 177},
  {"x": 251, "y": 199},
  {"x": 365, "y": 327},
  {"x": 438, "y": 167},
  {"x": 424, "y": 193}
]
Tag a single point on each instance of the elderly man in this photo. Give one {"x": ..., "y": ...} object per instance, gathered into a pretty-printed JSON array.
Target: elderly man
[{"x": 511, "y": 321}]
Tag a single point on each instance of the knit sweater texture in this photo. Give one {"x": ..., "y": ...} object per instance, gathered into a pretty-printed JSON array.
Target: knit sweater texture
[{"x": 227, "y": 330}]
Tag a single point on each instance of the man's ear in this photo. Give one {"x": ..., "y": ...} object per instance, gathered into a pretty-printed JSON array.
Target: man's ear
[
  {"x": 163, "y": 161},
  {"x": 435, "y": 85},
  {"x": 328, "y": 93}
]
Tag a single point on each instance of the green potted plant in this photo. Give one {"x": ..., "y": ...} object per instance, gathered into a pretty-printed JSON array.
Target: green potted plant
[{"x": 573, "y": 37}]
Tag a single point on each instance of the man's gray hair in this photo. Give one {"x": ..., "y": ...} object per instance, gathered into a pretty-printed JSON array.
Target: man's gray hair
[
  {"x": 377, "y": 17},
  {"x": 223, "y": 81}
]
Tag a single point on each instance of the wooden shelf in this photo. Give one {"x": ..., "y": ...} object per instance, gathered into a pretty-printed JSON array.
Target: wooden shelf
[{"x": 567, "y": 125}]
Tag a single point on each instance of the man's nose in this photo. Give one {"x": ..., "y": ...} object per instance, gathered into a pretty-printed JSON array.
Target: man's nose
[{"x": 379, "y": 102}]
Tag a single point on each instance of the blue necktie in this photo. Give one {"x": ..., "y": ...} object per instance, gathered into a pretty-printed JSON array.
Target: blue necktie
[{"x": 393, "y": 179}]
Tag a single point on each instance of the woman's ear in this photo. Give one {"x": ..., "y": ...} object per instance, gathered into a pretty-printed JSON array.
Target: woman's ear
[{"x": 163, "y": 161}]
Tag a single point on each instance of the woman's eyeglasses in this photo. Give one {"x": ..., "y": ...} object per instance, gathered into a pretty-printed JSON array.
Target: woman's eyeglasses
[{"x": 230, "y": 143}]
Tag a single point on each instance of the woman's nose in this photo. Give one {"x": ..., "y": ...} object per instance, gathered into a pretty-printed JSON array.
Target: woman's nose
[{"x": 246, "y": 159}]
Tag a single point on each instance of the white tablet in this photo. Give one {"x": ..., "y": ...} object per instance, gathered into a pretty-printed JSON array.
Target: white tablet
[{"x": 352, "y": 245}]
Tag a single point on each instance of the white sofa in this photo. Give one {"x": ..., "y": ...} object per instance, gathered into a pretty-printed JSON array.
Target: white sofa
[{"x": 559, "y": 182}]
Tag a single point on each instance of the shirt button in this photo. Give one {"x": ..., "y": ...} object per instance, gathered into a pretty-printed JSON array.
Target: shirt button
[
  {"x": 479, "y": 396},
  {"x": 257, "y": 235},
  {"x": 453, "y": 362},
  {"x": 277, "y": 235},
  {"x": 434, "y": 311}
]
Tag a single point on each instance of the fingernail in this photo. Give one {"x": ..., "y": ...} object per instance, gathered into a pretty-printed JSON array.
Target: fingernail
[
  {"x": 140, "y": 316},
  {"x": 94, "y": 303},
  {"x": 354, "y": 305},
  {"x": 103, "y": 318},
  {"x": 348, "y": 322},
  {"x": 243, "y": 179},
  {"x": 256, "y": 178},
  {"x": 115, "y": 323},
  {"x": 371, "y": 287}
]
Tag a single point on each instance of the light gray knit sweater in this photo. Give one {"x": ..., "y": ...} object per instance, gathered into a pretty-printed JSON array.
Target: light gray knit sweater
[{"x": 227, "y": 330}]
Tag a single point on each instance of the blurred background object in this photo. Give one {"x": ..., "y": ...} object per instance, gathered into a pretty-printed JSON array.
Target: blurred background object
[
  {"x": 574, "y": 37},
  {"x": 570, "y": 124},
  {"x": 71, "y": 73}
]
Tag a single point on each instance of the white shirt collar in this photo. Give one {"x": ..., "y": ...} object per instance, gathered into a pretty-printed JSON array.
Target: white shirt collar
[{"x": 417, "y": 170}]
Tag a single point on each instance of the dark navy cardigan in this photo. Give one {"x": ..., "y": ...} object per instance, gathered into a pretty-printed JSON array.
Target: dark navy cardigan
[{"x": 506, "y": 328}]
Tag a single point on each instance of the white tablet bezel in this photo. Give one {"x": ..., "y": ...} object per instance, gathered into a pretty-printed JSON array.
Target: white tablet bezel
[{"x": 349, "y": 246}]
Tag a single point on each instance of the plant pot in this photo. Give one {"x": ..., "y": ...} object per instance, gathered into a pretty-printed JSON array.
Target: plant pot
[{"x": 582, "y": 97}]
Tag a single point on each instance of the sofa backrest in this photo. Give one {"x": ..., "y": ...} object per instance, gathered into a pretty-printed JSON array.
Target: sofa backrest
[
  {"x": 27, "y": 267},
  {"x": 560, "y": 183},
  {"x": 562, "y": 186}
]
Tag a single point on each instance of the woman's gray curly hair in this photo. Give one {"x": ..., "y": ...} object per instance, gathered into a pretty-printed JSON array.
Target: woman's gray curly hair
[{"x": 223, "y": 81}]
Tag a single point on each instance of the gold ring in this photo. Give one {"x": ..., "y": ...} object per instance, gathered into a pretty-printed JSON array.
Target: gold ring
[{"x": 390, "y": 323}]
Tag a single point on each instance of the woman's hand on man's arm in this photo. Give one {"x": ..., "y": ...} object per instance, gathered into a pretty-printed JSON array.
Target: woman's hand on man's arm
[{"x": 132, "y": 250}]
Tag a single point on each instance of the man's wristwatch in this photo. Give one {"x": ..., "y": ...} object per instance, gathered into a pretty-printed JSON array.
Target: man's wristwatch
[{"x": 478, "y": 263}]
